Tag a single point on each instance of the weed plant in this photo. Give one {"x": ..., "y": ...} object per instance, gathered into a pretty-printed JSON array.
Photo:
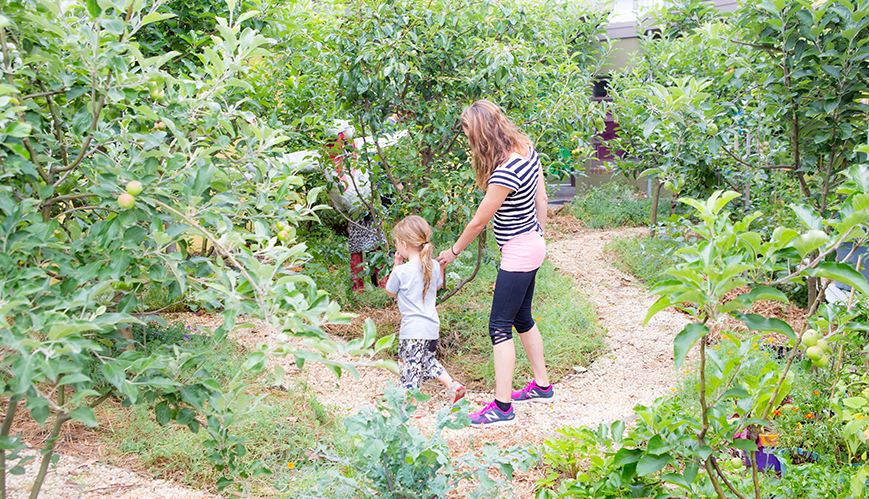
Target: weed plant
[
  {"x": 572, "y": 336},
  {"x": 614, "y": 204}
]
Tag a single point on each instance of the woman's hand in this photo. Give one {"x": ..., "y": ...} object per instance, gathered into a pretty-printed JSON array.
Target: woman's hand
[{"x": 446, "y": 257}]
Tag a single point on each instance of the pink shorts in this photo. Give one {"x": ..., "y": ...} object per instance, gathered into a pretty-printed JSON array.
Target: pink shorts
[{"x": 523, "y": 253}]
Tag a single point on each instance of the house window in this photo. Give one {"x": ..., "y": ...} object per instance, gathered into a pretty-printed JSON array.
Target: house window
[{"x": 601, "y": 83}]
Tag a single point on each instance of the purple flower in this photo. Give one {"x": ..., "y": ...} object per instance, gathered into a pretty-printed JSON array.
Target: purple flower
[{"x": 185, "y": 336}]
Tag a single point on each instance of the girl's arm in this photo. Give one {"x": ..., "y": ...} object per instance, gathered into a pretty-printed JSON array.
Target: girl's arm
[
  {"x": 494, "y": 198},
  {"x": 443, "y": 276},
  {"x": 398, "y": 260},
  {"x": 541, "y": 200}
]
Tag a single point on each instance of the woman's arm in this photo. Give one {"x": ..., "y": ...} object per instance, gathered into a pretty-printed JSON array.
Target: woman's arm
[
  {"x": 494, "y": 198},
  {"x": 541, "y": 200}
]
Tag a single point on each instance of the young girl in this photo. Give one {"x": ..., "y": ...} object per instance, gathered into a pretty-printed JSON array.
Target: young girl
[{"x": 416, "y": 283}]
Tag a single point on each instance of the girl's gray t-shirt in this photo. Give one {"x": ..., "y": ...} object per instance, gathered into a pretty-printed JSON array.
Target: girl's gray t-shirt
[{"x": 418, "y": 321}]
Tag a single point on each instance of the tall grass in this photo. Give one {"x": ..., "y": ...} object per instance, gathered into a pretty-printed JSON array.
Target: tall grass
[
  {"x": 572, "y": 336},
  {"x": 646, "y": 258},
  {"x": 614, "y": 204}
]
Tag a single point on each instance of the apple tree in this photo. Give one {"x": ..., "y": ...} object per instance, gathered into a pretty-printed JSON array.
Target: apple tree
[
  {"x": 424, "y": 63},
  {"x": 119, "y": 177}
]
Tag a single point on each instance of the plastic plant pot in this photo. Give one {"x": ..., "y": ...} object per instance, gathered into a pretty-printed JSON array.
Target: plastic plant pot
[{"x": 766, "y": 460}]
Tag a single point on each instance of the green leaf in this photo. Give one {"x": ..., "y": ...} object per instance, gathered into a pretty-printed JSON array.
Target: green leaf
[
  {"x": 840, "y": 272},
  {"x": 38, "y": 408},
  {"x": 756, "y": 322},
  {"x": 808, "y": 217},
  {"x": 280, "y": 373},
  {"x": 114, "y": 26},
  {"x": 810, "y": 241},
  {"x": 84, "y": 414},
  {"x": 662, "y": 303},
  {"x": 59, "y": 331},
  {"x": 649, "y": 126},
  {"x": 163, "y": 413},
  {"x": 203, "y": 179},
  {"x": 685, "y": 340},
  {"x": 73, "y": 378},
  {"x": 114, "y": 374},
  {"x": 651, "y": 463},
  {"x": 763, "y": 293},
  {"x": 744, "y": 444},
  {"x": 155, "y": 17},
  {"x": 627, "y": 456}
]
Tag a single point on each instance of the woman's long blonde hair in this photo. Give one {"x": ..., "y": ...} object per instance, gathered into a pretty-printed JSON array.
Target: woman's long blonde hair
[
  {"x": 416, "y": 232},
  {"x": 492, "y": 136}
]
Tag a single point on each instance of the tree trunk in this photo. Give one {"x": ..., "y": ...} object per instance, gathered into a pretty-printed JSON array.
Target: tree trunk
[{"x": 655, "y": 199}]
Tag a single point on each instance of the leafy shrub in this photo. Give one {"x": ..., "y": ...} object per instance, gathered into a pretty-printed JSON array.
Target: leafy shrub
[
  {"x": 395, "y": 459},
  {"x": 614, "y": 204}
]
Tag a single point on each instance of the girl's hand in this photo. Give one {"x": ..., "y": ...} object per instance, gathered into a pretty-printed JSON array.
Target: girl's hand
[
  {"x": 398, "y": 259},
  {"x": 446, "y": 257}
]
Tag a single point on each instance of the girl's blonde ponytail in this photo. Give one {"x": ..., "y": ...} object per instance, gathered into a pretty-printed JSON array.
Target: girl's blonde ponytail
[{"x": 416, "y": 232}]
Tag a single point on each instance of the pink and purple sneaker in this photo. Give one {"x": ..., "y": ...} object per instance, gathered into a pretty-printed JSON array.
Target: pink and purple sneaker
[
  {"x": 533, "y": 393},
  {"x": 492, "y": 415}
]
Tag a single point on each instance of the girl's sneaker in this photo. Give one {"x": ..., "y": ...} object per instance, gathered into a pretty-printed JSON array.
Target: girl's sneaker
[
  {"x": 458, "y": 391},
  {"x": 533, "y": 393},
  {"x": 491, "y": 415}
]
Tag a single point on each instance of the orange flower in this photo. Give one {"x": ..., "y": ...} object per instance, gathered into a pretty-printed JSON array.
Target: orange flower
[
  {"x": 776, "y": 413},
  {"x": 816, "y": 392},
  {"x": 809, "y": 416}
]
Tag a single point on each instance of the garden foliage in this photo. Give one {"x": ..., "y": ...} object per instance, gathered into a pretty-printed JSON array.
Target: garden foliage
[
  {"x": 83, "y": 114},
  {"x": 364, "y": 61}
]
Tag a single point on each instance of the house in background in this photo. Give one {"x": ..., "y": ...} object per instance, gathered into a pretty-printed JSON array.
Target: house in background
[{"x": 625, "y": 28}]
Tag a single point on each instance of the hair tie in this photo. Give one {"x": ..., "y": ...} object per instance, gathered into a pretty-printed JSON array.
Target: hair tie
[{"x": 427, "y": 242}]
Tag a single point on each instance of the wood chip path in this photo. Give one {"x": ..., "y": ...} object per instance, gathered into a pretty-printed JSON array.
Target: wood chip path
[{"x": 637, "y": 369}]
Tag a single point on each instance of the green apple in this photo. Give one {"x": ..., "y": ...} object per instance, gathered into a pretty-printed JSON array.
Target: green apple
[
  {"x": 814, "y": 353},
  {"x": 134, "y": 188},
  {"x": 810, "y": 338},
  {"x": 712, "y": 129},
  {"x": 283, "y": 235},
  {"x": 599, "y": 123},
  {"x": 126, "y": 200},
  {"x": 280, "y": 225},
  {"x": 823, "y": 361},
  {"x": 822, "y": 344},
  {"x": 736, "y": 462}
]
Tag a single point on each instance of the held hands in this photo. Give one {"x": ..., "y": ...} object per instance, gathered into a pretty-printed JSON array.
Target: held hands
[{"x": 446, "y": 257}]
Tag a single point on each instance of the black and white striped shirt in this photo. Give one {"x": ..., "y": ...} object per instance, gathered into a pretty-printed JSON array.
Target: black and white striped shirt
[{"x": 518, "y": 214}]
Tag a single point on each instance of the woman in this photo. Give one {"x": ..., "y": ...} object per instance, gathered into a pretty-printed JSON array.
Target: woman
[{"x": 508, "y": 168}]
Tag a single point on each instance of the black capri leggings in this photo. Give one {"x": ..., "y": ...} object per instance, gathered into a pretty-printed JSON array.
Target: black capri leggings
[{"x": 511, "y": 305}]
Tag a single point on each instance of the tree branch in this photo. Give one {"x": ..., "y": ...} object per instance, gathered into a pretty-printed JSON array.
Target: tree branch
[
  {"x": 257, "y": 290},
  {"x": 732, "y": 155},
  {"x": 724, "y": 478},
  {"x": 97, "y": 110},
  {"x": 481, "y": 244},
  {"x": 6, "y": 62},
  {"x": 44, "y": 93},
  {"x": 66, "y": 197}
]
